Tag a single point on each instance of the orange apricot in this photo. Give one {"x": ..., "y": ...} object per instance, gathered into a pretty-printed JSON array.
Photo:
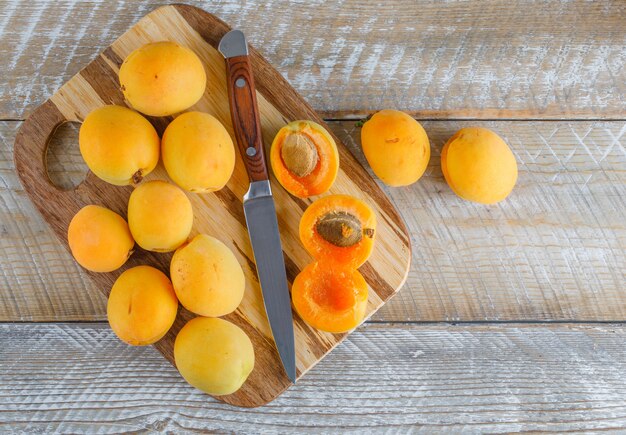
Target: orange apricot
[
  {"x": 99, "y": 239},
  {"x": 160, "y": 216},
  {"x": 142, "y": 305},
  {"x": 330, "y": 298},
  {"x": 478, "y": 165},
  {"x": 396, "y": 147},
  {"x": 339, "y": 228},
  {"x": 198, "y": 152},
  {"x": 304, "y": 158},
  {"x": 118, "y": 144},
  {"x": 162, "y": 78}
]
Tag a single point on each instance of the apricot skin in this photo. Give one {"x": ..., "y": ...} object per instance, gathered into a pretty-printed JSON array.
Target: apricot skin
[
  {"x": 119, "y": 145},
  {"x": 396, "y": 147},
  {"x": 99, "y": 239},
  {"x": 478, "y": 165},
  {"x": 198, "y": 152},
  {"x": 162, "y": 78},
  {"x": 142, "y": 306},
  {"x": 213, "y": 355},
  {"x": 207, "y": 278},
  {"x": 159, "y": 216}
]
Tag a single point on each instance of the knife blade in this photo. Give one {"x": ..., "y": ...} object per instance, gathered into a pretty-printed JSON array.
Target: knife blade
[{"x": 258, "y": 202}]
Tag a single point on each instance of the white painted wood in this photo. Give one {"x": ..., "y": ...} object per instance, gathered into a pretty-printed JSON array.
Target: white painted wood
[
  {"x": 556, "y": 250},
  {"x": 79, "y": 378},
  {"x": 488, "y": 59}
]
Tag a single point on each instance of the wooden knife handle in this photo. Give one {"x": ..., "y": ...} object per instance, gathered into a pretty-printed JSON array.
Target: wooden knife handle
[{"x": 245, "y": 116}]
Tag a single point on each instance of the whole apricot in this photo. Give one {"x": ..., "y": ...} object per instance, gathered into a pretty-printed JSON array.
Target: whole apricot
[
  {"x": 198, "y": 152},
  {"x": 478, "y": 165},
  {"x": 213, "y": 355},
  {"x": 162, "y": 78},
  {"x": 142, "y": 306},
  {"x": 207, "y": 278},
  {"x": 159, "y": 216},
  {"x": 118, "y": 144},
  {"x": 99, "y": 239},
  {"x": 396, "y": 147}
]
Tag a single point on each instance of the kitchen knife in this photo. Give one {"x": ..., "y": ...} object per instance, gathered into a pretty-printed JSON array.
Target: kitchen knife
[{"x": 258, "y": 203}]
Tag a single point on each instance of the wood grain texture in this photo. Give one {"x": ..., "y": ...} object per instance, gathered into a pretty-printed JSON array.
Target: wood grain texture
[
  {"x": 487, "y": 59},
  {"x": 474, "y": 379},
  {"x": 555, "y": 250},
  {"x": 218, "y": 214}
]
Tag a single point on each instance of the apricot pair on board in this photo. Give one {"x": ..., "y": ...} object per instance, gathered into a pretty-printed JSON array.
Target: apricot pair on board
[{"x": 330, "y": 294}]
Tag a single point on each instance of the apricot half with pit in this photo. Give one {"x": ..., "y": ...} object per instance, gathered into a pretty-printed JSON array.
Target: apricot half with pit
[
  {"x": 142, "y": 306},
  {"x": 339, "y": 228},
  {"x": 99, "y": 239},
  {"x": 330, "y": 298},
  {"x": 213, "y": 355},
  {"x": 478, "y": 165},
  {"x": 160, "y": 216},
  {"x": 207, "y": 277},
  {"x": 396, "y": 147},
  {"x": 198, "y": 152},
  {"x": 304, "y": 158},
  {"x": 162, "y": 78},
  {"x": 118, "y": 144}
]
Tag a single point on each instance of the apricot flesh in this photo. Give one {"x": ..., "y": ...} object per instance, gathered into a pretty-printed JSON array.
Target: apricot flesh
[
  {"x": 478, "y": 165},
  {"x": 162, "y": 78},
  {"x": 142, "y": 306},
  {"x": 160, "y": 216},
  {"x": 213, "y": 355},
  {"x": 396, "y": 147},
  {"x": 118, "y": 144},
  {"x": 330, "y": 298},
  {"x": 304, "y": 158},
  {"x": 198, "y": 152},
  {"x": 339, "y": 228},
  {"x": 99, "y": 239},
  {"x": 207, "y": 277}
]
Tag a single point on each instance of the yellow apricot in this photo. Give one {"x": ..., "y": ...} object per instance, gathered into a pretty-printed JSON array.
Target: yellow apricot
[
  {"x": 207, "y": 278},
  {"x": 159, "y": 216},
  {"x": 213, "y": 355},
  {"x": 162, "y": 78},
  {"x": 142, "y": 306},
  {"x": 118, "y": 144},
  {"x": 478, "y": 165},
  {"x": 396, "y": 147},
  {"x": 99, "y": 239},
  {"x": 198, "y": 152}
]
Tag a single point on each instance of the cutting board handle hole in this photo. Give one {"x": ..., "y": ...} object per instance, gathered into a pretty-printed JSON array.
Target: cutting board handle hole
[{"x": 66, "y": 167}]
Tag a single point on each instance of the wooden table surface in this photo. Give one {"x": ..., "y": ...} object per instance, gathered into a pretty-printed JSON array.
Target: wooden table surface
[{"x": 513, "y": 315}]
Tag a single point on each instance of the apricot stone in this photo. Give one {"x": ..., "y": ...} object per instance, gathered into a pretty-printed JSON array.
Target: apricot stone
[
  {"x": 198, "y": 152},
  {"x": 213, "y": 355},
  {"x": 207, "y": 278},
  {"x": 396, "y": 147},
  {"x": 478, "y": 165},
  {"x": 142, "y": 306},
  {"x": 159, "y": 216},
  {"x": 162, "y": 78},
  {"x": 99, "y": 239},
  {"x": 118, "y": 144}
]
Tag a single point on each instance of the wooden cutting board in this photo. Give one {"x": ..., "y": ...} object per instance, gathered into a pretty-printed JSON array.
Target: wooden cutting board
[{"x": 219, "y": 214}]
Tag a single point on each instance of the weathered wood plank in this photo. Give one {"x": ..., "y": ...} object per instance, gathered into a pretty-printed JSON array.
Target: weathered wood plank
[
  {"x": 556, "y": 250},
  {"x": 487, "y": 59},
  {"x": 76, "y": 377}
]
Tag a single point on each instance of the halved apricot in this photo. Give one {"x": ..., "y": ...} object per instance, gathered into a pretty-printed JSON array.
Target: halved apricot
[
  {"x": 330, "y": 298},
  {"x": 304, "y": 158},
  {"x": 339, "y": 228}
]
